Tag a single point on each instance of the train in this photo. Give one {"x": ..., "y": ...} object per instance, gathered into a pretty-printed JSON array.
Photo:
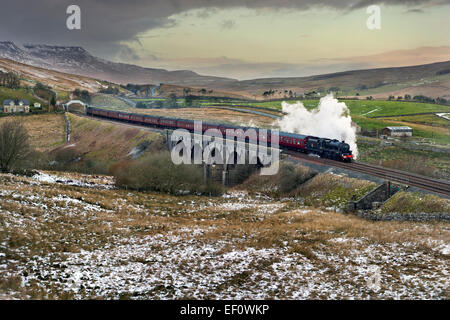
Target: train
[{"x": 323, "y": 147}]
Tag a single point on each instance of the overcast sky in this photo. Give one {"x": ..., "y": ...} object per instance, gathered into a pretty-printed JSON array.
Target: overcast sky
[{"x": 240, "y": 38}]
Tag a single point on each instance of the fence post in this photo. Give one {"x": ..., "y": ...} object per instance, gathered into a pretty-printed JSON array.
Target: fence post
[
  {"x": 206, "y": 172},
  {"x": 225, "y": 177},
  {"x": 169, "y": 143}
]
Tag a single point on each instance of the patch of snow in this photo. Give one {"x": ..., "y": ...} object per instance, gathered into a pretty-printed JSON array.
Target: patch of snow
[
  {"x": 445, "y": 116},
  {"x": 53, "y": 179},
  {"x": 370, "y": 111}
]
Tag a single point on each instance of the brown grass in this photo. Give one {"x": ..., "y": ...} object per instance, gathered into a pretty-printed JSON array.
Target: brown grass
[
  {"x": 46, "y": 131},
  {"x": 51, "y": 227},
  {"x": 209, "y": 114},
  {"x": 107, "y": 142}
]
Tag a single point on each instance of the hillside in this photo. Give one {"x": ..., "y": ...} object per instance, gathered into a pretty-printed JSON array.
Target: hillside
[
  {"x": 57, "y": 80},
  {"x": 46, "y": 131},
  {"x": 77, "y": 60},
  {"x": 166, "y": 90},
  {"x": 430, "y": 80},
  {"x": 65, "y": 82},
  {"x": 106, "y": 143},
  {"x": 6, "y": 93}
]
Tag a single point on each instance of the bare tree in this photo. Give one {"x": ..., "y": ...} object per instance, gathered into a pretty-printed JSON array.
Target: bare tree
[{"x": 14, "y": 144}]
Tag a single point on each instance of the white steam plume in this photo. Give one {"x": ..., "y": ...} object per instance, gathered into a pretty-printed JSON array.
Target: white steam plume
[{"x": 331, "y": 119}]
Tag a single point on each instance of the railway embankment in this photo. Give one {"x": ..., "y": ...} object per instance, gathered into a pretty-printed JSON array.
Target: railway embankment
[{"x": 409, "y": 206}]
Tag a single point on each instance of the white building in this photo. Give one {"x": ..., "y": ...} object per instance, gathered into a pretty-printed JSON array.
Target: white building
[
  {"x": 402, "y": 131},
  {"x": 12, "y": 106}
]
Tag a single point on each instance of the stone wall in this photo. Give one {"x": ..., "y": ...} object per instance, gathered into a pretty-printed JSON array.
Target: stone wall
[
  {"x": 395, "y": 216},
  {"x": 375, "y": 197},
  {"x": 66, "y": 118}
]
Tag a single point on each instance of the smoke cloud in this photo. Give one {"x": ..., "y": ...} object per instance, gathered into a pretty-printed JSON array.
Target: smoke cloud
[{"x": 331, "y": 119}]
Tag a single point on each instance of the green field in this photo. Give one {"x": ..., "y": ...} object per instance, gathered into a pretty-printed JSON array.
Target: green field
[
  {"x": 375, "y": 108},
  {"x": 424, "y": 119},
  {"x": 109, "y": 102},
  {"x": 403, "y": 157},
  {"x": 62, "y": 95},
  {"x": 146, "y": 99},
  {"x": 6, "y": 93},
  {"x": 369, "y": 108}
]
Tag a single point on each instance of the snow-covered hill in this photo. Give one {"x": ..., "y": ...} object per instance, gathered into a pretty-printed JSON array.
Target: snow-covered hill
[
  {"x": 78, "y": 61},
  {"x": 55, "y": 79}
]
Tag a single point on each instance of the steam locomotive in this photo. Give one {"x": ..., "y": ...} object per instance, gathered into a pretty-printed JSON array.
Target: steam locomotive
[{"x": 323, "y": 147}]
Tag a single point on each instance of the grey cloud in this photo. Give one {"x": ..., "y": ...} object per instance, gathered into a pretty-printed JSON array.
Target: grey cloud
[
  {"x": 228, "y": 24},
  {"x": 415, "y": 11},
  {"x": 206, "y": 13},
  {"x": 125, "y": 53},
  {"x": 409, "y": 3},
  {"x": 106, "y": 23}
]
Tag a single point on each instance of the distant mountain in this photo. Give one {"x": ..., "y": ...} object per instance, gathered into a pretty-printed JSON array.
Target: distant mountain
[
  {"x": 431, "y": 80},
  {"x": 77, "y": 60}
]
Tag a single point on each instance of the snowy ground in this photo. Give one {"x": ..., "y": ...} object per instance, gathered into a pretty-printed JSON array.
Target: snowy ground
[{"x": 75, "y": 236}]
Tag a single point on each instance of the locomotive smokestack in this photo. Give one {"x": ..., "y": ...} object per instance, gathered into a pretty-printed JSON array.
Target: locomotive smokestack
[{"x": 331, "y": 119}]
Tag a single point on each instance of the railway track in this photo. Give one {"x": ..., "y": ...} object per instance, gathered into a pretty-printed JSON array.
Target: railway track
[
  {"x": 407, "y": 178},
  {"x": 122, "y": 123}
]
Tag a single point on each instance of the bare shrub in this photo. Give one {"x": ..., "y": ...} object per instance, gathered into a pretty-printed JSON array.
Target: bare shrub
[
  {"x": 408, "y": 202},
  {"x": 158, "y": 173},
  {"x": 288, "y": 178},
  {"x": 326, "y": 190},
  {"x": 241, "y": 172},
  {"x": 66, "y": 155},
  {"x": 71, "y": 159},
  {"x": 413, "y": 163},
  {"x": 14, "y": 145}
]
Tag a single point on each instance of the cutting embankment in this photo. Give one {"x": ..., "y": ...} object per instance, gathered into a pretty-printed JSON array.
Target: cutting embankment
[{"x": 96, "y": 145}]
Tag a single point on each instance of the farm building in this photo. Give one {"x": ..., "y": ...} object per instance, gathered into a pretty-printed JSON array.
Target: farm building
[
  {"x": 12, "y": 106},
  {"x": 403, "y": 131}
]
